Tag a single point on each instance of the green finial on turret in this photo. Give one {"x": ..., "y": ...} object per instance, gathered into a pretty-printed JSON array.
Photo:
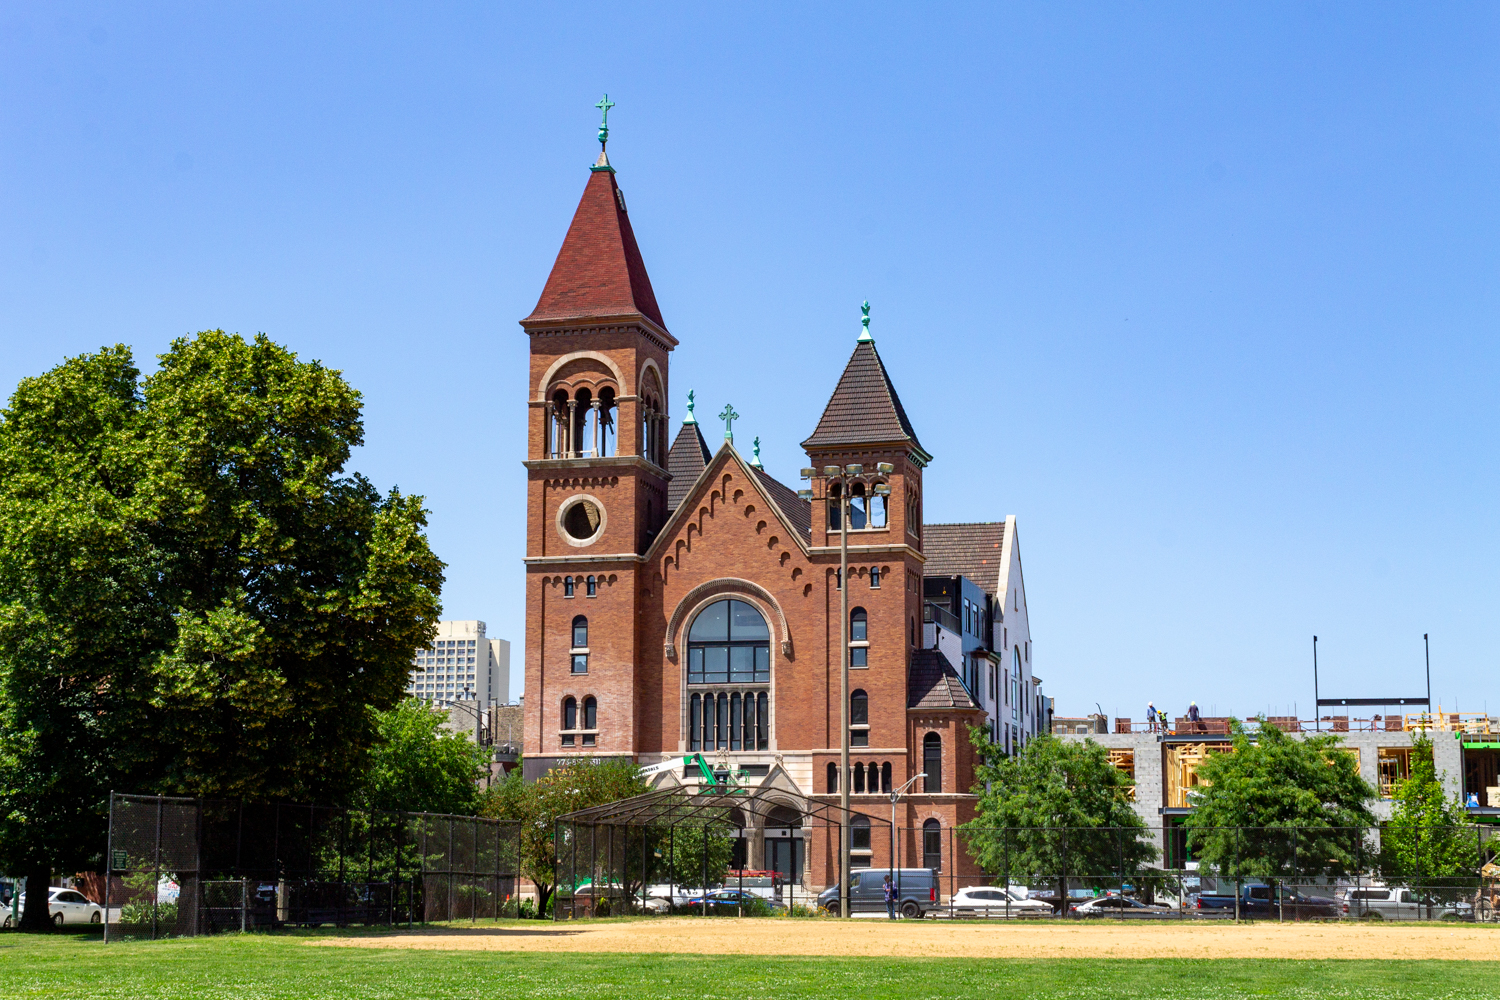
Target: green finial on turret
[
  {"x": 864, "y": 333},
  {"x": 755, "y": 461},
  {"x": 603, "y": 162},
  {"x": 690, "y": 419}
]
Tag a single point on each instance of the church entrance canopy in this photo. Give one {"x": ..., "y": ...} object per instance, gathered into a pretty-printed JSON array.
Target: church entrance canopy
[{"x": 665, "y": 850}]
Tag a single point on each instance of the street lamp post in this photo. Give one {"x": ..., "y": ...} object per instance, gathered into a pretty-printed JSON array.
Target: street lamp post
[
  {"x": 845, "y": 477},
  {"x": 896, "y": 797}
]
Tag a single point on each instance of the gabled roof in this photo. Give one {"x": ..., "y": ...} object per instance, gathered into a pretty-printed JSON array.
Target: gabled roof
[
  {"x": 971, "y": 550},
  {"x": 790, "y": 509},
  {"x": 599, "y": 272},
  {"x": 864, "y": 407},
  {"x": 932, "y": 683},
  {"x": 686, "y": 460}
]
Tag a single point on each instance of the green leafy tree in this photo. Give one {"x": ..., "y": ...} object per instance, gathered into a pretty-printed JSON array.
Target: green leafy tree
[
  {"x": 568, "y": 787},
  {"x": 1279, "y": 806},
  {"x": 1056, "y": 810},
  {"x": 194, "y": 596},
  {"x": 419, "y": 766},
  {"x": 1428, "y": 840}
]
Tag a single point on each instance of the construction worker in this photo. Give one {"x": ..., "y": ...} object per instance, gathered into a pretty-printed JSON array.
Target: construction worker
[
  {"x": 1193, "y": 716},
  {"x": 1151, "y": 715}
]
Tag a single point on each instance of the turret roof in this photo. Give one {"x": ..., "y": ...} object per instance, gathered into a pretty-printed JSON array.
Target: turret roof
[
  {"x": 599, "y": 273},
  {"x": 864, "y": 407}
]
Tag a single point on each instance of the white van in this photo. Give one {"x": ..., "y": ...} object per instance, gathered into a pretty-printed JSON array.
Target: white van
[{"x": 1384, "y": 902}]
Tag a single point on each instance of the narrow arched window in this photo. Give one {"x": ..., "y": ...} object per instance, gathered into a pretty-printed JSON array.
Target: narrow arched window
[
  {"x": 859, "y": 833},
  {"x": 885, "y": 777},
  {"x": 859, "y": 639},
  {"x": 567, "y": 586},
  {"x": 932, "y": 763},
  {"x": 569, "y": 720},
  {"x": 591, "y": 587},
  {"x": 590, "y": 721},
  {"x": 932, "y": 845},
  {"x": 833, "y": 779},
  {"x": 859, "y": 719},
  {"x": 695, "y": 723},
  {"x": 580, "y": 632},
  {"x": 858, "y": 785}
]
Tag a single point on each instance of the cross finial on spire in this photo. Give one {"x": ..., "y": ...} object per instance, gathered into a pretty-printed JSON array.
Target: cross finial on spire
[
  {"x": 604, "y": 105},
  {"x": 690, "y": 419},
  {"x": 755, "y": 461},
  {"x": 729, "y": 417},
  {"x": 864, "y": 333}
]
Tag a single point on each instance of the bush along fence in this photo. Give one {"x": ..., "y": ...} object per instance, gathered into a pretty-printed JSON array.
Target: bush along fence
[{"x": 183, "y": 866}]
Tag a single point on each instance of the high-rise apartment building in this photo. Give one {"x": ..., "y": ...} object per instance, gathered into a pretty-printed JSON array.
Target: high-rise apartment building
[{"x": 462, "y": 664}]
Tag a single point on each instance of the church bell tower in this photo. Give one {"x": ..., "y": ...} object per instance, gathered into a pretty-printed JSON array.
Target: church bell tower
[{"x": 596, "y": 476}]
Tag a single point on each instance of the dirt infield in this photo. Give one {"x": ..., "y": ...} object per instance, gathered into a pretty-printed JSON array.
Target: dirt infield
[{"x": 945, "y": 939}]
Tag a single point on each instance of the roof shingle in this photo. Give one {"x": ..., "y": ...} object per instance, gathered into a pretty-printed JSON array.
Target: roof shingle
[
  {"x": 971, "y": 550},
  {"x": 797, "y": 510},
  {"x": 686, "y": 460},
  {"x": 864, "y": 407},
  {"x": 599, "y": 271},
  {"x": 933, "y": 683}
]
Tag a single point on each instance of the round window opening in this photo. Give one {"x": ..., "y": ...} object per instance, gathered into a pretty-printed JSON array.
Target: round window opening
[{"x": 581, "y": 520}]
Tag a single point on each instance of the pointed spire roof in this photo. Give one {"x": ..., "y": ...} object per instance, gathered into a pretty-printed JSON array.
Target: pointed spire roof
[
  {"x": 686, "y": 460},
  {"x": 599, "y": 273},
  {"x": 864, "y": 407}
]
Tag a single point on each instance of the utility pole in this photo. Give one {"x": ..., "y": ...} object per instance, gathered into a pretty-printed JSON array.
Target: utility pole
[{"x": 1317, "y": 705}]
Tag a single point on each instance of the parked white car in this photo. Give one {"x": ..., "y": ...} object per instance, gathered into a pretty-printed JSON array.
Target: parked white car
[
  {"x": 991, "y": 901},
  {"x": 1381, "y": 902},
  {"x": 64, "y": 906},
  {"x": 1115, "y": 906}
]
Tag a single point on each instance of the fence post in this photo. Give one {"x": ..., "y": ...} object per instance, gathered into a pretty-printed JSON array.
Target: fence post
[
  {"x": 704, "y": 887},
  {"x": 244, "y": 905},
  {"x": 109, "y": 861},
  {"x": 156, "y": 886}
]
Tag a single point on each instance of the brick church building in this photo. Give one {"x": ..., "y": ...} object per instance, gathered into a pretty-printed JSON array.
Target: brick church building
[{"x": 679, "y": 599}]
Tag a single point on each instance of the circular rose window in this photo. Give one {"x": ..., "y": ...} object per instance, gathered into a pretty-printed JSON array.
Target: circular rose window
[{"x": 582, "y": 520}]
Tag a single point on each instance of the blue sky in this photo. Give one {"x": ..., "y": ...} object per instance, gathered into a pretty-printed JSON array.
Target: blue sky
[{"x": 1204, "y": 294}]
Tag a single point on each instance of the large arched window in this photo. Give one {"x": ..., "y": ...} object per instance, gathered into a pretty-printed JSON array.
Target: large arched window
[
  {"x": 580, "y": 632},
  {"x": 859, "y": 719},
  {"x": 932, "y": 845},
  {"x": 729, "y": 653},
  {"x": 932, "y": 762},
  {"x": 569, "y": 720},
  {"x": 859, "y": 639}
]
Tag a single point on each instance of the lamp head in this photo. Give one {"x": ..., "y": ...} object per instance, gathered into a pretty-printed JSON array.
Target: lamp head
[
  {"x": 882, "y": 490},
  {"x": 832, "y": 471},
  {"x": 884, "y": 468},
  {"x": 854, "y": 470},
  {"x": 805, "y": 494},
  {"x": 809, "y": 473}
]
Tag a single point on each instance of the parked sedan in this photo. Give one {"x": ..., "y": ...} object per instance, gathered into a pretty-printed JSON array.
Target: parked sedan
[
  {"x": 989, "y": 901},
  {"x": 727, "y": 902},
  {"x": 64, "y": 906},
  {"x": 1116, "y": 906}
]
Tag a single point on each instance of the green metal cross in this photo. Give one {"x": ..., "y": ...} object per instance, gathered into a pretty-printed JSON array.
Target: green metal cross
[
  {"x": 729, "y": 417},
  {"x": 604, "y": 105}
]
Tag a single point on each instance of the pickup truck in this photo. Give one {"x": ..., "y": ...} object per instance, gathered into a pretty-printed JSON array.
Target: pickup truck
[{"x": 1260, "y": 900}]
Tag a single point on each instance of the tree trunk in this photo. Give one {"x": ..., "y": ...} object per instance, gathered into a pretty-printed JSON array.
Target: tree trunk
[{"x": 35, "y": 917}]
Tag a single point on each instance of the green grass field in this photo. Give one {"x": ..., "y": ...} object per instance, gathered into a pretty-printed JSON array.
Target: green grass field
[{"x": 257, "y": 966}]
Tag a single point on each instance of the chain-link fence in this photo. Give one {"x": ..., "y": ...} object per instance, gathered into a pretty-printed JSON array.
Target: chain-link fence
[
  {"x": 179, "y": 866},
  {"x": 720, "y": 854}
]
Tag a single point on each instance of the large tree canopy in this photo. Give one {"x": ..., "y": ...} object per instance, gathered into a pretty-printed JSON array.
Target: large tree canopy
[
  {"x": 419, "y": 766},
  {"x": 1056, "y": 810},
  {"x": 194, "y": 596},
  {"x": 1279, "y": 805}
]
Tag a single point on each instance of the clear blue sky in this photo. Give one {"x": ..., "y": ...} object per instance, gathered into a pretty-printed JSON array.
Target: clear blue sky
[{"x": 1204, "y": 294}]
